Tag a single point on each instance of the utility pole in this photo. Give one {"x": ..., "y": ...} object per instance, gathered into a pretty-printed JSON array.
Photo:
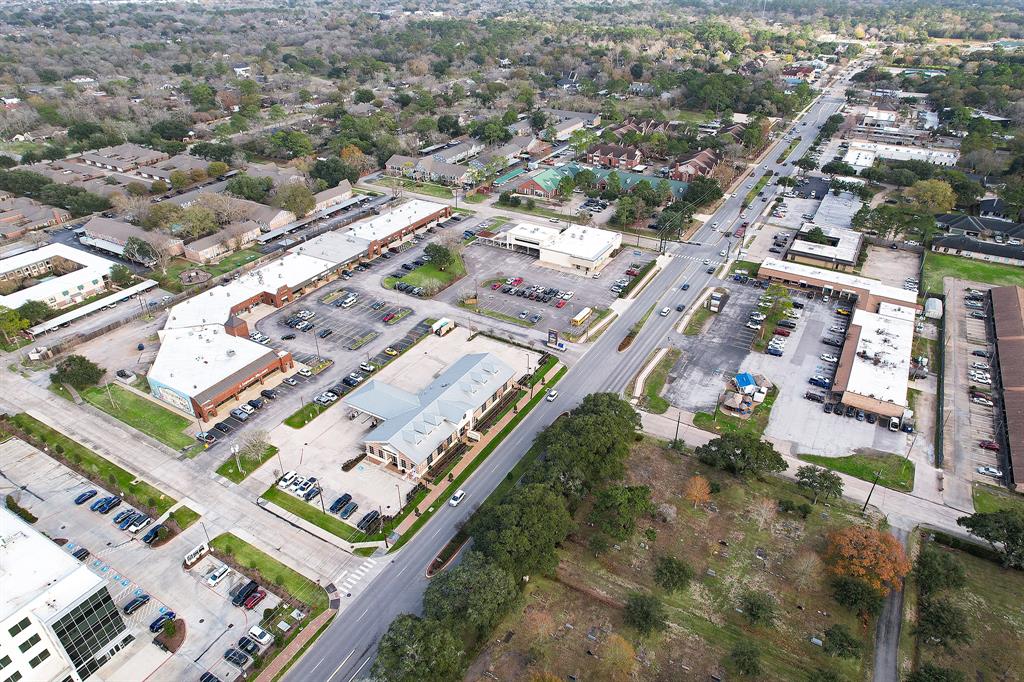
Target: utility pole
[
  {"x": 676, "y": 439},
  {"x": 878, "y": 474}
]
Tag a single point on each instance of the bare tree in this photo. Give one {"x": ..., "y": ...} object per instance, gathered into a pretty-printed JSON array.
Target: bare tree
[
  {"x": 254, "y": 446},
  {"x": 805, "y": 567},
  {"x": 763, "y": 512}
]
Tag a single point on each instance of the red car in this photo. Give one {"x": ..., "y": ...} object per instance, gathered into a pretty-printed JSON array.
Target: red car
[
  {"x": 632, "y": 273},
  {"x": 560, "y": 304},
  {"x": 782, "y": 332},
  {"x": 517, "y": 281},
  {"x": 255, "y": 598},
  {"x": 989, "y": 445},
  {"x": 495, "y": 285},
  {"x": 389, "y": 317}
]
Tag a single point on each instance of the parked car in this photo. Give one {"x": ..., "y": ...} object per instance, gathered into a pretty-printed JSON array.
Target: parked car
[
  {"x": 260, "y": 635},
  {"x": 135, "y": 604},
  {"x": 339, "y": 503},
  {"x": 153, "y": 534},
  {"x": 85, "y": 497},
  {"x": 158, "y": 624},
  {"x": 989, "y": 445},
  {"x": 236, "y": 657},
  {"x": 248, "y": 646},
  {"x": 245, "y": 592},
  {"x": 990, "y": 471},
  {"x": 348, "y": 510}
]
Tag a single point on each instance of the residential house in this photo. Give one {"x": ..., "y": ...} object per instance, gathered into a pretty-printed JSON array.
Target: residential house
[
  {"x": 734, "y": 131},
  {"x": 241, "y": 70},
  {"x": 20, "y": 215},
  {"x": 505, "y": 155},
  {"x": 641, "y": 89},
  {"x": 589, "y": 120},
  {"x": 428, "y": 169},
  {"x": 973, "y": 226},
  {"x": 123, "y": 157},
  {"x": 268, "y": 217},
  {"x": 186, "y": 163},
  {"x": 644, "y": 126},
  {"x": 614, "y": 156},
  {"x": 697, "y": 164},
  {"x": 332, "y": 195},
  {"x": 110, "y": 235},
  {"x": 227, "y": 240},
  {"x": 459, "y": 150},
  {"x": 990, "y": 252},
  {"x": 544, "y": 183},
  {"x": 280, "y": 175},
  {"x": 996, "y": 208}
]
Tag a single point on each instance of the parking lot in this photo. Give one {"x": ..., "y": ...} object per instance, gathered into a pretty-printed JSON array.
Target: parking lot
[
  {"x": 486, "y": 264},
  {"x": 48, "y": 489},
  {"x": 973, "y": 421},
  {"x": 891, "y": 266}
]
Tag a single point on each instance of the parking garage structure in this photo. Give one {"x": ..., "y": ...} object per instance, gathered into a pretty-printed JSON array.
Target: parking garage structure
[{"x": 1008, "y": 321}]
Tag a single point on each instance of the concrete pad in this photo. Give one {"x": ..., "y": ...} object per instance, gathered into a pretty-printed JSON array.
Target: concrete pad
[{"x": 891, "y": 266}]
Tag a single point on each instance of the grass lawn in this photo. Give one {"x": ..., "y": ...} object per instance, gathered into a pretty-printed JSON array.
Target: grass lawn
[
  {"x": 995, "y": 619},
  {"x": 988, "y": 498},
  {"x": 271, "y": 571},
  {"x": 430, "y": 277},
  {"x": 101, "y": 471},
  {"x": 141, "y": 414},
  {"x": 897, "y": 472},
  {"x": 927, "y": 348},
  {"x": 703, "y": 623},
  {"x": 475, "y": 198},
  {"x": 695, "y": 325},
  {"x": 747, "y": 266},
  {"x": 184, "y": 517},
  {"x": 229, "y": 471},
  {"x": 169, "y": 280},
  {"x": 439, "y": 191},
  {"x": 752, "y": 194},
  {"x": 720, "y": 422},
  {"x": 789, "y": 150},
  {"x": 656, "y": 382},
  {"x": 310, "y": 511},
  {"x": 939, "y": 265},
  {"x": 304, "y": 415},
  {"x": 496, "y": 315}
]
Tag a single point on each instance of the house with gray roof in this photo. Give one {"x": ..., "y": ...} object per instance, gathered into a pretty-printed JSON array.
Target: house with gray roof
[{"x": 414, "y": 430}]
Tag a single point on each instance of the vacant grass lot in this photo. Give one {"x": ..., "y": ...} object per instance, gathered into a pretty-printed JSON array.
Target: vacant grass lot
[
  {"x": 719, "y": 422},
  {"x": 141, "y": 414},
  {"x": 722, "y": 545},
  {"x": 101, "y": 471},
  {"x": 988, "y": 498},
  {"x": 939, "y": 265},
  {"x": 169, "y": 280},
  {"x": 439, "y": 191},
  {"x": 995, "y": 618},
  {"x": 430, "y": 277},
  {"x": 231, "y": 472},
  {"x": 656, "y": 382},
  {"x": 271, "y": 571},
  {"x": 695, "y": 325},
  {"x": 897, "y": 472}
]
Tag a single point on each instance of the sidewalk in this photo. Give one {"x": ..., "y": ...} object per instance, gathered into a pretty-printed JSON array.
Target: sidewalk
[{"x": 438, "y": 489}]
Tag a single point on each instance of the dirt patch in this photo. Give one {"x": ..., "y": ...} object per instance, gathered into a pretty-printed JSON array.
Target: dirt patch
[{"x": 173, "y": 634}]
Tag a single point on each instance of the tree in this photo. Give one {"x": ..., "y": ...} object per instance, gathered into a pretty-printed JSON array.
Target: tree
[
  {"x": 840, "y": 642},
  {"x": 249, "y": 187},
  {"x": 11, "y": 323},
  {"x": 617, "y": 508},
  {"x": 806, "y": 164},
  {"x": 821, "y": 481},
  {"x": 645, "y": 613},
  {"x": 35, "y": 311},
  {"x": 581, "y": 140},
  {"x": 702, "y": 191},
  {"x": 217, "y": 168},
  {"x": 697, "y": 490},
  {"x": 867, "y": 554},
  {"x": 198, "y": 221},
  {"x": 333, "y": 170},
  {"x": 857, "y": 595},
  {"x": 295, "y": 197},
  {"x": 78, "y": 371},
  {"x": 179, "y": 179},
  {"x": 139, "y": 250},
  {"x": 254, "y": 446},
  {"x": 932, "y": 196},
  {"x": 805, "y": 569},
  {"x": 566, "y": 186},
  {"x": 418, "y": 650},
  {"x": 520, "y": 533},
  {"x": 758, "y": 607},
  {"x": 929, "y": 672},
  {"x": 1004, "y": 531},
  {"x": 475, "y": 594},
  {"x": 940, "y": 622},
  {"x": 213, "y": 151},
  {"x": 838, "y": 168},
  {"x": 763, "y": 511},
  {"x": 121, "y": 275},
  {"x": 158, "y": 186},
  {"x": 745, "y": 657},
  {"x": 363, "y": 95},
  {"x": 291, "y": 143},
  {"x": 937, "y": 570},
  {"x": 741, "y": 454},
  {"x": 440, "y": 256},
  {"x": 672, "y": 574},
  {"x": 815, "y": 235}
]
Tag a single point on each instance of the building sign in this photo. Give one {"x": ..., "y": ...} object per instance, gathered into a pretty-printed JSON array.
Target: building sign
[
  {"x": 552, "y": 337},
  {"x": 193, "y": 557}
]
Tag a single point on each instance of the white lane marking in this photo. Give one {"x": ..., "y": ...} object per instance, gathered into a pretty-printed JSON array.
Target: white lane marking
[
  {"x": 358, "y": 669},
  {"x": 341, "y": 664}
]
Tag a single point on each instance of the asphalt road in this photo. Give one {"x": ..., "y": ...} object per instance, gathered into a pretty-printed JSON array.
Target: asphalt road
[{"x": 345, "y": 650}]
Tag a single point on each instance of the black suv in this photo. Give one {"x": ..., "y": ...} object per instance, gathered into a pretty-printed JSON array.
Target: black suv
[
  {"x": 236, "y": 657},
  {"x": 244, "y": 593}
]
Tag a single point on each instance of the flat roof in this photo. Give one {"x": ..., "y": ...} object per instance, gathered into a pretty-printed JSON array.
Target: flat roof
[
  {"x": 398, "y": 218},
  {"x": 844, "y": 251},
  {"x": 841, "y": 279},
  {"x": 577, "y": 241},
  {"x": 94, "y": 269},
  {"x": 36, "y": 573},
  {"x": 192, "y": 360},
  {"x": 837, "y": 210},
  {"x": 91, "y": 307},
  {"x": 881, "y": 363},
  {"x": 213, "y": 306},
  {"x": 906, "y": 152},
  {"x": 336, "y": 247}
]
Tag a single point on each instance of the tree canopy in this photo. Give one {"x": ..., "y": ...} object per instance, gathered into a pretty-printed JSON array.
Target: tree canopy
[
  {"x": 417, "y": 650},
  {"x": 741, "y": 454}
]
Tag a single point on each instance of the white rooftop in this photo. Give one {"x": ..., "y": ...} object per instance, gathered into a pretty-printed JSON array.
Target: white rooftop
[
  {"x": 937, "y": 155},
  {"x": 396, "y": 219},
  {"x": 214, "y": 305},
  {"x": 578, "y": 241},
  {"x": 881, "y": 364},
  {"x": 335, "y": 247},
  {"x": 93, "y": 270},
  {"x": 842, "y": 279},
  {"x": 193, "y": 360},
  {"x": 36, "y": 573}
]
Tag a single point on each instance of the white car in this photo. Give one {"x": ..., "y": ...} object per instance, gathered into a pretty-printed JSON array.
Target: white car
[
  {"x": 982, "y": 380},
  {"x": 707, "y": 261},
  {"x": 979, "y": 365},
  {"x": 552, "y": 394},
  {"x": 828, "y": 358},
  {"x": 793, "y": 314},
  {"x": 260, "y": 635},
  {"x": 757, "y": 317},
  {"x": 305, "y": 372},
  {"x": 837, "y": 329},
  {"x": 753, "y": 325},
  {"x": 567, "y": 296},
  {"x": 247, "y": 408},
  {"x": 990, "y": 471},
  {"x": 217, "y": 575},
  {"x": 459, "y": 495},
  {"x": 367, "y": 367},
  {"x": 286, "y": 480},
  {"x": 722, "y": 253},
  {"x": 978, "y": 400}
]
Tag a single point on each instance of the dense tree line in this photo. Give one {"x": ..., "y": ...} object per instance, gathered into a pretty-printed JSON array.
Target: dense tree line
[{"x": 76, "y": 200}]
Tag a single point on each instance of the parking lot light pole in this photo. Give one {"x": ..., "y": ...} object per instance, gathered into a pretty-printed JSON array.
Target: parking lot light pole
[{"x": 399, "y": 491}]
